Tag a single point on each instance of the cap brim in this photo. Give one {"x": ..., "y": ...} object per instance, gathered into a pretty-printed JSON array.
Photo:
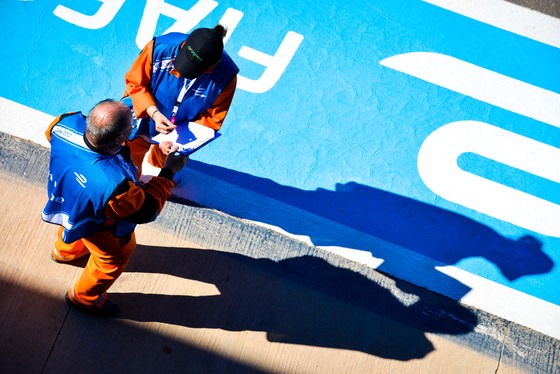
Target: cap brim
[{"x": 186, "y": 67}]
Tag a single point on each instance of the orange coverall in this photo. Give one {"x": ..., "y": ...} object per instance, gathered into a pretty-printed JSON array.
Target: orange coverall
[
  {"x": 138, "y": 87},
  {"x": 109, "y": 255}
]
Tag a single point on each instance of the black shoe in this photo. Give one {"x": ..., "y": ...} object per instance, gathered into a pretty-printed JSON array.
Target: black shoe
[{"x": 108, "y": 310}]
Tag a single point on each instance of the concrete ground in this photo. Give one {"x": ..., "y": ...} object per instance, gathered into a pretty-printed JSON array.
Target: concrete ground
[{"x": 210, "y": 293}]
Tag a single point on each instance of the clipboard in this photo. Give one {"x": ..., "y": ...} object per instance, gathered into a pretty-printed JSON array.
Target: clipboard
[{"x": 189, "y": 138}]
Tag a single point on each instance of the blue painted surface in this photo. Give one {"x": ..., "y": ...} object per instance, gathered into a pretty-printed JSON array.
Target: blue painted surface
[{"x": 338, "y": 135}]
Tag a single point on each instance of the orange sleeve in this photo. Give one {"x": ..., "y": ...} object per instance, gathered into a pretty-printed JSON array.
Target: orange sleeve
[
  {"x": 132, "y": 201},
  {"x": 49, "y": 129},
  {"x": 138, "y": 81},
  {"x": 214, "y": 116}
]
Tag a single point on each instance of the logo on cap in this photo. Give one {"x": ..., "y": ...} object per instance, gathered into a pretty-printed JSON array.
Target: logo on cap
[{"x": 195, "y": 55}]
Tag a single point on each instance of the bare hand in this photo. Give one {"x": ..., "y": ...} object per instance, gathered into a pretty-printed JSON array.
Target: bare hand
[
  {"x": 168, "y": 147},
  {"x": 175, "y": 162},
  {"x": 163, "y": 125}
]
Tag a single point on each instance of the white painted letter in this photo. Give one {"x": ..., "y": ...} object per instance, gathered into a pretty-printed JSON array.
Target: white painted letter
[
  {"x": 186, "y": 20},
  {"x": 437, "y": 165},
  {"x": 230, "y": 20},
  {"x": 481, "y": 84},
  {"x": 104, "y": 15},
  {"x": 275, "y": 65}
]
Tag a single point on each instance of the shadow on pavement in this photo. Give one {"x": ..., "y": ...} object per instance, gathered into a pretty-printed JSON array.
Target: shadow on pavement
[
  {"x": 438, "y": 234},
  {"x": 39, "y": 335},
  {"x": 301, "y": 300}
]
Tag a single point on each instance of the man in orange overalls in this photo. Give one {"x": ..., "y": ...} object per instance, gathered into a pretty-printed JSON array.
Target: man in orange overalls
[{"x": 95, "y": 198}]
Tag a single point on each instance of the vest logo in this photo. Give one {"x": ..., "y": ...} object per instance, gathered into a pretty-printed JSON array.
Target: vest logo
[
  {"x": 165, "y": 64},
  {"x": 81, "y": 179},
  {"x": 200, "y": 92},
  {"x": 59, "y": 199},
  {"x": 129, "y": 169},
  {"x": 62, "y": 132}
]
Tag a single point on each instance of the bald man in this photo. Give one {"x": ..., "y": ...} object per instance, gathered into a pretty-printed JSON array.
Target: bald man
[{"x": 96, "y": 200}]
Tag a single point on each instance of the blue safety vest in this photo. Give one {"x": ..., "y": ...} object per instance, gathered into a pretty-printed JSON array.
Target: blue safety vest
[
  {"x": 166, "y": 87},
  {"x": 81, "y": 182}
]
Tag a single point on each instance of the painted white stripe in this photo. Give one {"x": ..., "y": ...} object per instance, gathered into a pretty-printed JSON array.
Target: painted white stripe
[
  {"x": 481, "y": 84},
  {"x": 437, "y": 166},
  {"x": 214, "y": 193},
  {"x": 507, "y": 16},
  {"x": 230, "y": 20},
  {"x": 30, "y": 124},
  {"x": 24, "y": 122},
  {"x": 508, "y": 303},
  {"x": 100, "y": 19}
]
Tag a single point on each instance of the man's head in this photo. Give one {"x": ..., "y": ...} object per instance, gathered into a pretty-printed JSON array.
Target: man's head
[
  {"x": 108, "y": 125},
  {"x": 202, "y": 49}
]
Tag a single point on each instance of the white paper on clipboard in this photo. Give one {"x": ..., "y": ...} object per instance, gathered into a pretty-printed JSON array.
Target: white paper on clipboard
[{"x": 189, "y": 138}]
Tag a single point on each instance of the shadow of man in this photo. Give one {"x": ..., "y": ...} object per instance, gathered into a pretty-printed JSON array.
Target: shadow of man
[
  {"x": 438, "y": 234},
  {"x": 302, "y": 300}
]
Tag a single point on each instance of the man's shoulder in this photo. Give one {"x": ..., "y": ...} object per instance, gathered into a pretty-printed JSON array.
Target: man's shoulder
[
  {"x": 71, "y": 120},
  {"x": 228, "y": 63},
  {"x": 78, "y": 115}
]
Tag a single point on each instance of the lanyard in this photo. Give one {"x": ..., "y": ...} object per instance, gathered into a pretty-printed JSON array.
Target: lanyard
[{"x": 181, "y": 96}]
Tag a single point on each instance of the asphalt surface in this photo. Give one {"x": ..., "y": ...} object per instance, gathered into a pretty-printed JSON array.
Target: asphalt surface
[{"x": 207, "y": 292}]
